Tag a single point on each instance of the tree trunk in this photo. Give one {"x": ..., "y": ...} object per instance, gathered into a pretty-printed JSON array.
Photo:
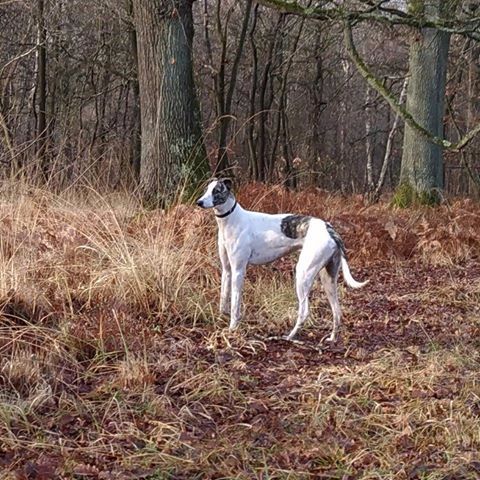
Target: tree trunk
[
  {"x": 470, "y": 158},
  {"x": 41, "y": 89},
  {"x": 421, "y": 175},
  {"x": 173, "y": 157},
  {"x": 282, "y": 120},
  {"x": 252, "y": 150},
  {"x": 135, "y": 142},
  {"x": 222, "y": 156},
  {"x": 264, "y": 104},
  {"x": 373, "y": 193},
  {"x": 369, "y": 141},
  {"x": 317, "y": 140}
]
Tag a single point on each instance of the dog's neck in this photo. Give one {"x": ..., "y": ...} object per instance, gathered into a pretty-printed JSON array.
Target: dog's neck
[{"x": 227, "y": 209}]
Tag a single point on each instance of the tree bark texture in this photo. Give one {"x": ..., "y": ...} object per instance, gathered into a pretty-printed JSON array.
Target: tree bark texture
[
  {"x": 421, "y": 176},
  {"x": 173, "y": 157}
]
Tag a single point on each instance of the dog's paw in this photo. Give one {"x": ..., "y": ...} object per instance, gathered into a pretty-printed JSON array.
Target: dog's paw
[
  {"x": 329, "y": 339},
  {"x": 233, "y": 326}
]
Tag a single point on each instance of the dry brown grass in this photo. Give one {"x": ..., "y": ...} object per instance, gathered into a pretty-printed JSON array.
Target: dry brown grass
[{"x": 115, "y": 364}]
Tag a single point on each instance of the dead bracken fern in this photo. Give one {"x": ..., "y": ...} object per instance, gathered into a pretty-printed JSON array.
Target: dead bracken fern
[{"x": 115, "y": 364}]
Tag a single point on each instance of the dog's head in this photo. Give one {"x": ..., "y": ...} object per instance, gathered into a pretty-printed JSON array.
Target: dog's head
[{"x": 217, "y": 193}]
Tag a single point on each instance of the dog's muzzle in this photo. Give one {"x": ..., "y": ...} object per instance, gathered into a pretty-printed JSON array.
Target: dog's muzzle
[{"x": 200, "y": 203}]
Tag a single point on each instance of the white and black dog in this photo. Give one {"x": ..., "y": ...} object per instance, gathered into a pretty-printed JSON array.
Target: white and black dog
[{"x": 252, "y": 237}]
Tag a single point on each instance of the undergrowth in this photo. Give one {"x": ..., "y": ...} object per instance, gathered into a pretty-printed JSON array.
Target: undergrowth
[{"x": 116, "y": 364}]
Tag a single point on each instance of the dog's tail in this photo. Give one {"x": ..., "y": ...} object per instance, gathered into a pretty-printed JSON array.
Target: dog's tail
[{"x": 347, "y": 276}]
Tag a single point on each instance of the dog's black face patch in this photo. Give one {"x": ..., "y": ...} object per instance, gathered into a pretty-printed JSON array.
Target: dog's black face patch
[
  {"x": 220, "y": 193},
  {"x": 295, "y": 226}
]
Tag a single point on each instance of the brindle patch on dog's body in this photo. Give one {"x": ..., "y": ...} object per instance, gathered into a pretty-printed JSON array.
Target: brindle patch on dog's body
[
  {"x": 295, "y": 226},
  {"x": 336, "y": 238}
]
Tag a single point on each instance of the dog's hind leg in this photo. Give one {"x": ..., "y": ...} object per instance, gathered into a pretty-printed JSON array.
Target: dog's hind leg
[
  {"x": 328, "y": 276},
  {"x": 306, "y": 270}
]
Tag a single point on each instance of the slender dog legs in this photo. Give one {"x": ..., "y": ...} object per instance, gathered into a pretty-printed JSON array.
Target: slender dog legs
[
  {"x": 226, "y": 287},
  {"x": 329, "y": 277},
  {"x": 309, "y": 264},
  {"x": 238, "y": 277}
]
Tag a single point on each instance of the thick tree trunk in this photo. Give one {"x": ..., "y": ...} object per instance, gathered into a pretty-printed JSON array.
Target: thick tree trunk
[
  {"x": 173, "y": 157},
  {"x": 421, "y": 176}
]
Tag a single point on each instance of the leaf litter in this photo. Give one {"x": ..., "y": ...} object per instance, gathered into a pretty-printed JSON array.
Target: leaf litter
[{"x": 115, "y": 363}]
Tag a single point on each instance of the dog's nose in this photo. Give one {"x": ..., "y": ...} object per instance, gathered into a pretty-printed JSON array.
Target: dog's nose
[{"x": 200, "y": 203}]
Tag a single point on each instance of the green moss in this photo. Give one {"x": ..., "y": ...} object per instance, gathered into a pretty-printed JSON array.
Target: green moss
[
  {"x": 406, "y": 196},
  {"x": 403, "y": 196},
  {"x": 416, "y": 7},
  {"x": 185, "y": 181}
]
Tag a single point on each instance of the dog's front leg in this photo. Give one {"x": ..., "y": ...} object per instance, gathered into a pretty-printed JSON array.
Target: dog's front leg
[
  {"x": 238, "y": 277},
  {"x": 225, "y": 288}
]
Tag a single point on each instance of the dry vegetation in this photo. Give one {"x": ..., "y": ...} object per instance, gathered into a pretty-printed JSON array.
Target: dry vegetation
[{"x": 116, "y": 365}]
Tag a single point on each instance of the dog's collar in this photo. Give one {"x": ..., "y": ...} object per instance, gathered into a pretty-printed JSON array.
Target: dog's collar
[{"x": 226, "y": 214}]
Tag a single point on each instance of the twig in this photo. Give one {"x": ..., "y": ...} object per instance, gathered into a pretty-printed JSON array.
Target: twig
[{"x": 293, "y": 341}]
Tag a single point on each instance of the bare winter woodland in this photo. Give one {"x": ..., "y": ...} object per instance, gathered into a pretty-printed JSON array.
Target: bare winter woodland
[
  {"x": 297, "y": 108},
  {"x": 114, "y": 360}
]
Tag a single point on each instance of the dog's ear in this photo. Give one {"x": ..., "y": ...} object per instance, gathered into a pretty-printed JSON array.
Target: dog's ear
[{"x": 228, "y": 183}]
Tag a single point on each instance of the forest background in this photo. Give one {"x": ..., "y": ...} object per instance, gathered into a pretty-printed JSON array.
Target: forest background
[{"x": 282, "y": 98}]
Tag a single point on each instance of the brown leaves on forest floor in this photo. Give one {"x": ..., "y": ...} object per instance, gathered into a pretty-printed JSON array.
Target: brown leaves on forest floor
[{"x": 115, "y": 364}]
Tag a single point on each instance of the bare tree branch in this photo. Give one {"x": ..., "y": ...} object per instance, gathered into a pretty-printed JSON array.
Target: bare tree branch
[
  {"x": 376, "y": 11},
  {"x": 407, "y": 117},
  {"x": 375, "y": 195}
]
